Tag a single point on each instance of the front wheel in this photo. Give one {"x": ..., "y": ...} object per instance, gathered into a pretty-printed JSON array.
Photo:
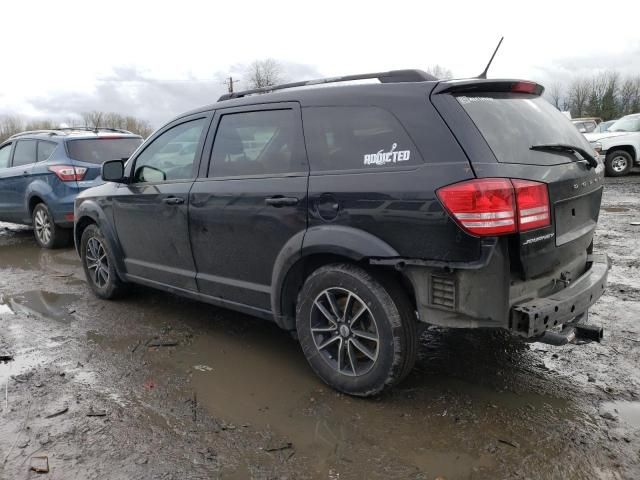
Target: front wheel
[
  {"x": 98, "y": 264},
  {"x": 47, "y": 233},
  {"x": 357, "y": 332},
  {"x": 618, "y": 163}
]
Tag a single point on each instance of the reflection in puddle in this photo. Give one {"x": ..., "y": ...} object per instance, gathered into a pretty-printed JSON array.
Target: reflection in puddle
[
  {"x": 4, "y": 309},
  {"x": 628, "y": 412},
  {"x": 43, "y": 304}
]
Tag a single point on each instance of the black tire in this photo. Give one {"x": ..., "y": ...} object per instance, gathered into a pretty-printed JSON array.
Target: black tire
[
  {"x": 618, "y": 163},
  {"x": 98, "y": 264},
  {"x": 47, "y": 233},
  {"x": 367, "y": 367}
]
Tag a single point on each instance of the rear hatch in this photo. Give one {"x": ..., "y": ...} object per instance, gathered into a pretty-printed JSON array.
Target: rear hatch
[
  {"x": 497, "y": 124},
  {"x": 91, "y": 153}
]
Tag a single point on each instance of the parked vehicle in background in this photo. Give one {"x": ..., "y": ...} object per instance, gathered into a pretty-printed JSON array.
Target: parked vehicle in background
[
  {"x": 352, "y": 215},
  {"x": 603, "y": 126},
  {"x": 41, "y": 172},
  {"x": 586, "y": 124},
  {"x": 619, "y": 146}
]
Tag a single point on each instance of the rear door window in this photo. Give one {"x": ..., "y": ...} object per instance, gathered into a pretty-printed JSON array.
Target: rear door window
[
  {"x": 512, "y": 123},
  {"x": 356, "y": 138},
  {"x": 5, "y": 156},
  {"x": 45, "y": 149},
  {"x": 25, "y": 152},
  {"x": 265, "y": 142}
]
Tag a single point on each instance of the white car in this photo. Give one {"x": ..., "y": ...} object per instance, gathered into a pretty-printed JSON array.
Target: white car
[{"x": 619, "y": 146}]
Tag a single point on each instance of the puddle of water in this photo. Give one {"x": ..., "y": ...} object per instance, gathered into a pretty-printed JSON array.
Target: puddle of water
[
  {"x": 21, "y": 363},
  {"x": 262, "y": 379},
  {"x": 249, "y": 373},
  {"x": 615, "y": 209},
  {"x": 43, "y": 304},
  {"x": 628, "y": 412}
]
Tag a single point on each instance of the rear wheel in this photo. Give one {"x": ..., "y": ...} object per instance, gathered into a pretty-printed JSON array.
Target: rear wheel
[
  {"x": 47, "y": 233},
  {"x": 357, "y": 332},
  {"x": 618, "y": 163},
  {"x": 98, "y": 264}
]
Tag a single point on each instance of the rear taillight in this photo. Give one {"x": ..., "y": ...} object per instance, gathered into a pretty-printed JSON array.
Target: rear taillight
[
  {"x": 497, "y": 206},
  {"x": 532, "y": 200},
  {"x": 68, "y": 173}
]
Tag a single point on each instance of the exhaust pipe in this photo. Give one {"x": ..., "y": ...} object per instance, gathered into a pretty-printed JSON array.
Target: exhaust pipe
[
  {"x": 589, "y": 332},
  {"x": 571, "y": 333}
]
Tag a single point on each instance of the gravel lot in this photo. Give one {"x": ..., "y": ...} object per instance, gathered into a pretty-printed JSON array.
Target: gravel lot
[{"x": 154, "y": 386}]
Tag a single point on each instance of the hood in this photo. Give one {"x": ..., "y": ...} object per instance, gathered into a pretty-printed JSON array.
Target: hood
[{"x": 594, "y": 137}]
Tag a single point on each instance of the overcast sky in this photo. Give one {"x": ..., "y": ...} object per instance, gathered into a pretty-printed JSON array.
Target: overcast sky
[{"x": 156, "y": 59}]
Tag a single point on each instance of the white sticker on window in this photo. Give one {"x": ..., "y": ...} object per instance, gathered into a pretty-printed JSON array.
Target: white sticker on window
[
  {"x": 466, "y": 100},
  {"x": 392, "y": 156}
]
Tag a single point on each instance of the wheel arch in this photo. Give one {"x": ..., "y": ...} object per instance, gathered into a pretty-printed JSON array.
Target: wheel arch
[
  {"x": 630, "y": 149},
  {"x": 37, "y": 192},
  {"x": 310, "y": 250},
  {"x": 89, "y": 213}
]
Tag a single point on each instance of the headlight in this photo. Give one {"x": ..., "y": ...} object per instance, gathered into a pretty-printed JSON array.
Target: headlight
[{"x": 597, "y": 147}]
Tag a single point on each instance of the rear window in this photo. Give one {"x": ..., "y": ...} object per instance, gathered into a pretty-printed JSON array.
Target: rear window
[
  {"x": 512, "y": 123},
  {"x": 356, "y": 138},
  {"x": 99, "y": 150}
]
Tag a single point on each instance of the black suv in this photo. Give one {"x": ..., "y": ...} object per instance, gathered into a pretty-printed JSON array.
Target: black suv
[{"x": 354, "y": 214}]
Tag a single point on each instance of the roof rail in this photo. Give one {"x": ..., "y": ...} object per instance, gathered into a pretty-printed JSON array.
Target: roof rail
[
  {"x": 94, "y": 129},
  {"x": 35, "y": 132},
  {"x": 63, "y": 130},
  {"x": 393, "y": 76}
]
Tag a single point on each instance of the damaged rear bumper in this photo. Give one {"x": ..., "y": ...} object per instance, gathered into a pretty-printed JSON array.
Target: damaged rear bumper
[{"x": 566, "y": 307}]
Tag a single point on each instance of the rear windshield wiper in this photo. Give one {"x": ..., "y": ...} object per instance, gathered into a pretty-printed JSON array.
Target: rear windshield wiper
[{"x": 559, "y": 147}]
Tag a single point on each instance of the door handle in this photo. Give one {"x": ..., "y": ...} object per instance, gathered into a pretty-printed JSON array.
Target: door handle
[
  {"x": 173, "y": 200},
  {"x": 279, "y": 201}
]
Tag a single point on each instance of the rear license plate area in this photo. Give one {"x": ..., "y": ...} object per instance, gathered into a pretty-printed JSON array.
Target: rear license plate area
[{"x": 576, "y": 217}]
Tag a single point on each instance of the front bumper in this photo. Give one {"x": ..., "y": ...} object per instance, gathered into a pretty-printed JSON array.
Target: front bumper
[{"x": 534, "y": 317}]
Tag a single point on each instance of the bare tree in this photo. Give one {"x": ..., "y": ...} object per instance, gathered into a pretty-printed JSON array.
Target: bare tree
[
  {"x": 10, "y": 125},
  {"x": 578, "y": 93},
  {"x": 555, "y": 93},
  {"x": 629, "y": 96},
  {"x": 264, "y": 73},
  {"x": 439, "y": 72},
  {"x": 92, "y": 119}
]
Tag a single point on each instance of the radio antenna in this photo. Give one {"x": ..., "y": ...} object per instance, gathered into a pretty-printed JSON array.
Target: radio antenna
[{"x": 484, "y": 74}]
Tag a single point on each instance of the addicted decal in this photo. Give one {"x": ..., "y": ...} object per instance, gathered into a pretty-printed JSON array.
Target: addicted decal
[{"x": 392, "y": 156}]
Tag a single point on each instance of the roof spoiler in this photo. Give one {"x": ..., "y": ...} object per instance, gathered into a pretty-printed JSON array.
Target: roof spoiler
[
  {"x": 475, "y": 85},
  {"x": 393, "y": 76}
]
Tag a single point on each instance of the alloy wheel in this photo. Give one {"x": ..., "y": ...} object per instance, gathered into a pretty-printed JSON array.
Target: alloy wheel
[
  {"x": 42, "y": 225},
  {"x": 344, "y": 331},
  {"x": 97, "y": 262}
]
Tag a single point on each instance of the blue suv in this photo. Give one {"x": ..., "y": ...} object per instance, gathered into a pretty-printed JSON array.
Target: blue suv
[{"x": 42, "y": 171}]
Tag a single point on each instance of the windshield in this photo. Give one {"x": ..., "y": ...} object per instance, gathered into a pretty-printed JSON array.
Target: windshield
[
  {"x": 512, "y": 123},
  {"x": 99, "y": 150},
  {"x": 631, "y": 124}
]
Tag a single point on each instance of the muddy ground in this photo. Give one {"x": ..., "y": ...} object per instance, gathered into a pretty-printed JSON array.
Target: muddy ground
[{"x": 155, "y": 386}]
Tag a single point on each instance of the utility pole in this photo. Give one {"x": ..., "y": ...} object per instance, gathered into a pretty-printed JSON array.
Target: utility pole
[{"x": 229, "y": 83}]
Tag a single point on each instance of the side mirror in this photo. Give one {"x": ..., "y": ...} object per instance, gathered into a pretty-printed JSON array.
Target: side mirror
[{"x": 113, "y": 171}]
